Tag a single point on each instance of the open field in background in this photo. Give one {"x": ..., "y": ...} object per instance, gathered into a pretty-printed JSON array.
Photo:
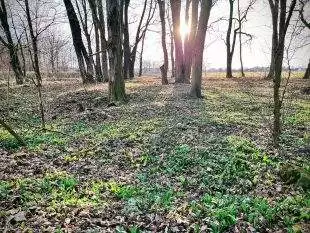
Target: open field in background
[
  {"x": 73, "y": 75},
  {"x": 162, "y": 162}
]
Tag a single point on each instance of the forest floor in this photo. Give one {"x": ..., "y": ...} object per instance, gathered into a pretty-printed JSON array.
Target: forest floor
[{"x": 163, "y": 162}]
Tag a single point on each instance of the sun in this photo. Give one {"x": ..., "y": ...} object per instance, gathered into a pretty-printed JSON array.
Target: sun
[{"x": 184, "y": 30}]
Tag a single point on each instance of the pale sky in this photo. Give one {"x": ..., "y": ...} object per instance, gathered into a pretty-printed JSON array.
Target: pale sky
[{"x": 257, "y": 53}]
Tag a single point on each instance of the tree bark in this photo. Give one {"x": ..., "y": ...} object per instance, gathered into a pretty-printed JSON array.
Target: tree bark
[
  {"x": 307, "y": 73},
  {"x": 284, "y": 20},
  {"x": 14, "y": 60},
  {"x": 12, "y": 132},
  {"x": 139, "y": 35},
  {"x": 240, "y": 40},
  {"x": 198, "y": 48},
  {"x": 164, "y": 67},
  {"x": 84, "y": 23},
  {"x": 116, "y": 78},
  {"x": 80, "y": 50},
  {"x": 179, "y": 58},
  {"x": 141, "y": 56},
  {"x": 229, "y": 54},
  {"x": 171, "y": 47},
  {"x": 188, "y": 44},
  {"x": 35, "y": 62},
  {"x": 103, "y": 40},
  {"x": 94, "y": 10},
  {"x": 274, "y": 16},
  {"x": 126, "y": 40}
]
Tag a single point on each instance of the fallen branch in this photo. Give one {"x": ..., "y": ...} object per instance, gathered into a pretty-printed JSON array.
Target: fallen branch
[{"x": 13, "y": 133}]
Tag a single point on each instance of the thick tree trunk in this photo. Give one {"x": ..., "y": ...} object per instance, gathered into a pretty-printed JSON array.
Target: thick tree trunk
[
  {"x": 228, "y": 66},
  {"x": 274, "y": 41},
  {"x": 179, "y": 59},
  {"x": 80, "y": 50},
  {"x": 198, "y": 48},
  {"x": 188, "y": 45},
  {"x": 14, "y": 60},
  {"x": 126, "y": 40},
  {"x": 307, "y": 73},
  {"x": 164, "y": 67},
  {"x": 116, "y": 78}
]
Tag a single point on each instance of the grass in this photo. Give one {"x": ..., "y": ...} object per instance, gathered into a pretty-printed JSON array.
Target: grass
[{"x": 162, "y": 158}]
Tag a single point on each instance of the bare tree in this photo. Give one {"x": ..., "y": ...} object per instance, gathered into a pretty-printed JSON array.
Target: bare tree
[
  {"x": 14, "y": 60},
  {"x": 230, "y": 43},
  {"x": 103, "y": 40},
  {"x": 82, "y": 10},
  {"x": 188, "y": 43},
  {"x": 198, "y": 48},
  {"x": 116, "y": 78},
  {"x": 36, "y": 26},
  {"x": 80, "y": 50},
  {"x": 13, "y": 133},
  {"x": 94, "y": 9},
  {"x": 171, "y": 45},
  {"x": 126, "y": 39},
  {"x": 281, "y": 17},
  {"x": 53, "y": 45},
  {"x": 179, "y": 56},
  {"x": 141, "y": 56},
  {"x": 164, "y": 67},
  {"x": 307, "y": 24},
  {"x": 141, "y": 30},
  {"x": 242, "y": 17}
]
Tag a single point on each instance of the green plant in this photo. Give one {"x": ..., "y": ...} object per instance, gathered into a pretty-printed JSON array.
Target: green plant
[{"x": 4, "y": 190}]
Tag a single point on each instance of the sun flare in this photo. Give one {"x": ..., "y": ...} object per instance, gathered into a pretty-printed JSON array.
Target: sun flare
[{"x": 184, "y": 30}]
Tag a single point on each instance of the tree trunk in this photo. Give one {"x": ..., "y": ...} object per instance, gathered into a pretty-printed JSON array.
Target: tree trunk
[
  {"x": 90, "y": 66},
  {"x": 94, "y": 7},
  {"x": 240, "y": 40},
  {"x": 229, "y": 54},
  {"x": 35, "y": 62},
  {"x": 80, "y": 50},
  {"x": 126, "y": 41},
  {"x": 140, "y": 33},
  {"x": 141, "y": 56},
  {"x": 284, "y": 20},
  {"x": 172, "y": 56},
  {"x": 14, "y": 60},
  {"x": 179, "y": 59},
  {"x": 198, "y": 48},
  {"x": 12, "y": 132},
  {"x": 188, "y": 44},
  {"x": 164, "y": 67},
  {"x": 171, "y": 47},
  {"x": 104, "y": 59},
  {"x": 116, "y": 78},
  {"x": 274, "y": 17},
  {"x": 307, "y": 73}
]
